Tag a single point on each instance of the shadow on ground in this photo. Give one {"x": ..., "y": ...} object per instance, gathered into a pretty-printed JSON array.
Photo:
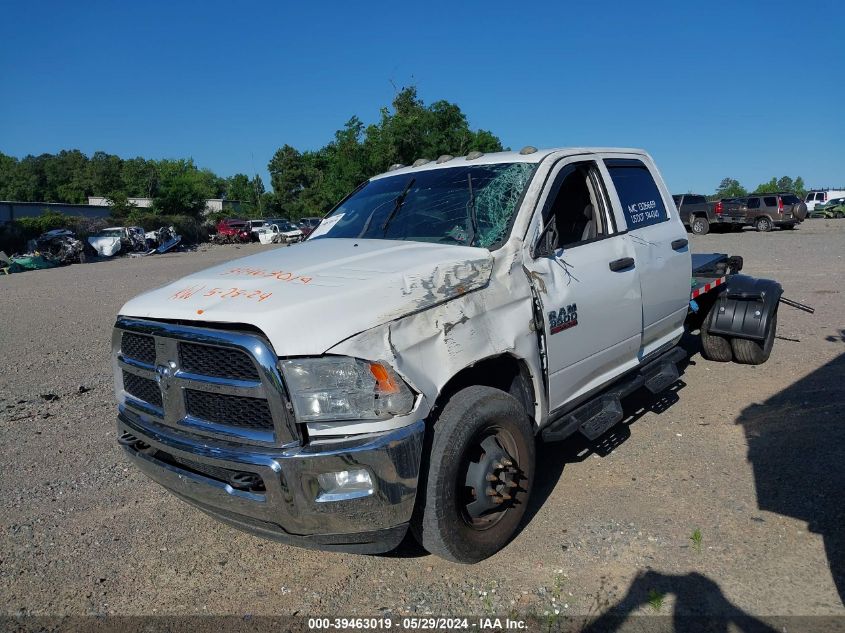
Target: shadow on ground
[
  {"x": 796, "y": 446},
  {"x": 699, "y": 602}
]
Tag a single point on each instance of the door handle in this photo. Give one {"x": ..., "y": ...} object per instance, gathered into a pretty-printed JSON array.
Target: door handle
[
  {"x": 622, "y": 264},
  {"x": 679, "y": 244}
]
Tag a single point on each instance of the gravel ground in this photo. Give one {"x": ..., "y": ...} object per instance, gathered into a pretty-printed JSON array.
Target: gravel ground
[{"x": 750, "y": 457}]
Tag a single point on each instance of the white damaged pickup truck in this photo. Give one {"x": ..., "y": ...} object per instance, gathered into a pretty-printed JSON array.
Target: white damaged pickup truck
[{"x": 395, "y": 370}]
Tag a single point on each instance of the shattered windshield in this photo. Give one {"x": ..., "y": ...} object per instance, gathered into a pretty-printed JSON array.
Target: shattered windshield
[{"x": 468, "y": 205}]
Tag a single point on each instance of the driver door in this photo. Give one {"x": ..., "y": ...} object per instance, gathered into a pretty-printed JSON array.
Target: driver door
[{"x": 583, "y": 272}]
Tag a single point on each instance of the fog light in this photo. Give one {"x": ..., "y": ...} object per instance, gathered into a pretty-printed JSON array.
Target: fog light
[{"x": 344, "y": 484}]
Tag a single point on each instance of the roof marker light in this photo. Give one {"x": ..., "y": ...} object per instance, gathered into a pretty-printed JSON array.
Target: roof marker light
[
  {"x": 474, "y": 155},
  {"x": 395, "y": 166},
  {"x": 420, "y": 161},
  {"x": 445, "y": 158},
  {"x": 528, "y": 149}
]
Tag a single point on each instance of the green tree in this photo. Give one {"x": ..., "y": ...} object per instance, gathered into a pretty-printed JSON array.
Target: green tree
[
  {"x": 120, "y": 205},
  {"x": 785, "y": 183},
  {"x": 238, "y": 188},
  {"x": 183, "y": 188},
  {"x": 140, "y": 177},
  {"x": 799, "y": 187},
  {"x": 730, "y": 188},
  {"x": 310, "y": 183},
  {"x": 104, "y": 173}
]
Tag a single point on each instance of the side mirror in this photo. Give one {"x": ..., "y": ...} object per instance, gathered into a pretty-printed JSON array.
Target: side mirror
[{"x": 545, "y": 246}]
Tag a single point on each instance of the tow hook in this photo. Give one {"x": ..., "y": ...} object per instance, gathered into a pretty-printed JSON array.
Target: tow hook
[
  {"x": 130, "y": 441},
  {"x": 245, "y": 481}
]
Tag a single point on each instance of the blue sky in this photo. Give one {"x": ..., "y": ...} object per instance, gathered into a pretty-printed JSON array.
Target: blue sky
[{"x": 711, "y": 89}]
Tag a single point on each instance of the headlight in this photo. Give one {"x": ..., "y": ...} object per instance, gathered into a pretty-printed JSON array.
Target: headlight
[{"x": 343, "y": 388}]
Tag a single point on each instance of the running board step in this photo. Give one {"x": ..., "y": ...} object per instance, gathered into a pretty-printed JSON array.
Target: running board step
[{"x": 598, "y": 415}]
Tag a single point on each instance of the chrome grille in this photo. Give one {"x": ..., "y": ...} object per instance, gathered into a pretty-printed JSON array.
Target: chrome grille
[
  {"x": 251, "y": 413},
  {"x": 139, "y": 347},
  {"x": 144, "y": 389},
  {"x": 222, "y": 362},
  {"x": 215, "y": 383}
]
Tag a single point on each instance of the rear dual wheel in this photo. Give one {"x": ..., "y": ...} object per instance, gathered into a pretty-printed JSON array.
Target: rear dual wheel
[
  {"x": 741, "y": 350},
  {"x": 751, "y": 352},
  {"x": 480, "y": 475}
]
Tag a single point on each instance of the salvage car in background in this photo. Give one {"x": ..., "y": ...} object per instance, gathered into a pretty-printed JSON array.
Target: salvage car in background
[
  {"x": 821, "y": 196},
  {"x": 114, "y": 239},
  {"x": 307, "y": 225},
  {"x": 232, "y": 232},
  {"x": 696, "y": 213},
  {"x": 766, "y": 211},
  {"x": 289, "y": 231},
  {"x": 59, "y": 246},
  {"x": 833, "y": 208}
]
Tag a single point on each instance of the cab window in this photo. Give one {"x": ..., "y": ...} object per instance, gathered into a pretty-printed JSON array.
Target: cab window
[
  {"x": 641, "y": 201},
  {"x": 576, "y": 209}
]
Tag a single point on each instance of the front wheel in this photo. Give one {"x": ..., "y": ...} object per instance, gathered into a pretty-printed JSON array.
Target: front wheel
[{"x": 480, "y": 474}]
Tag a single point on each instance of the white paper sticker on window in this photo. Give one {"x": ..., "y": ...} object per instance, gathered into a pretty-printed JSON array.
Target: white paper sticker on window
[{"x": 326, "y": 225}]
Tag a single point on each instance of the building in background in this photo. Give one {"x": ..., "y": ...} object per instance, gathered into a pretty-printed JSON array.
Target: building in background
[
  {"x": 10, "y": 210},
  {"x": 97, "y": 207},
  {"x": 212, "y": 205}
]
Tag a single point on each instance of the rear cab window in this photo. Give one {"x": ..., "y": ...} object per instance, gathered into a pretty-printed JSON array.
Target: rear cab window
[{"x": 642, "y": 204}]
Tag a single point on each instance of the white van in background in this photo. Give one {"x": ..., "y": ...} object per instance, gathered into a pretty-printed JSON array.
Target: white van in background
[{"x": 818, "y": 197}]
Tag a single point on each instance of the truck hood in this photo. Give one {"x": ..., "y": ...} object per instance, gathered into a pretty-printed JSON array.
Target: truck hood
[{"x": 309, "y": 297}]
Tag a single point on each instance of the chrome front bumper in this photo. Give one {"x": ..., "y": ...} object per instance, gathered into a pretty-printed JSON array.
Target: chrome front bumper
[{"x": 288, "y": 508}]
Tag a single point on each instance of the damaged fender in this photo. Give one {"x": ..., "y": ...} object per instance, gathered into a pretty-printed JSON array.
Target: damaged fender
[{"x": 431, "y": 346}]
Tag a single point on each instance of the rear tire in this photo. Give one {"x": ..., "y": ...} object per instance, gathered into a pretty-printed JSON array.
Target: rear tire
[
  {"x": 789, "y": 226},
  {"x": 480, "y": 429},
  {"x": 750, "y": 352},
  {"x": 713, "y": 346},
  {"x": 763, "y": 225},
  {"x": 700, "y": 225}
]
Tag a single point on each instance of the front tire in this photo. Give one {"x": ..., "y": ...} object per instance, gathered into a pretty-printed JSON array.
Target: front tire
[{"x": 480, "y": 474}]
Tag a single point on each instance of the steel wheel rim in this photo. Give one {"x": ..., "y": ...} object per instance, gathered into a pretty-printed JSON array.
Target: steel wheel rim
[{"x": 474, "y": 458}]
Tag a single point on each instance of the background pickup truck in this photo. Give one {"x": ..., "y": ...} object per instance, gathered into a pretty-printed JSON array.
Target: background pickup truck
[
  {"x": 696, "y": 213},
  {"x": 455, "y": 312},
  {"x": 765, "y": 211}
]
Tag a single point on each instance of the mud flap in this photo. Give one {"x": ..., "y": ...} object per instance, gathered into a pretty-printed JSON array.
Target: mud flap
[{"x": 745, "y": 308}]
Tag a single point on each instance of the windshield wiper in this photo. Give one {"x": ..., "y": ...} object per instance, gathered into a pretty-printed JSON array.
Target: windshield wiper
[
  {"x": 473, "y": 219},
  {"x": 400, "y": 200}
]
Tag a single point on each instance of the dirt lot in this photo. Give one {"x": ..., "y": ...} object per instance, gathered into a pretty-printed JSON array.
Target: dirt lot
[{"x": 751, "y": 457}]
